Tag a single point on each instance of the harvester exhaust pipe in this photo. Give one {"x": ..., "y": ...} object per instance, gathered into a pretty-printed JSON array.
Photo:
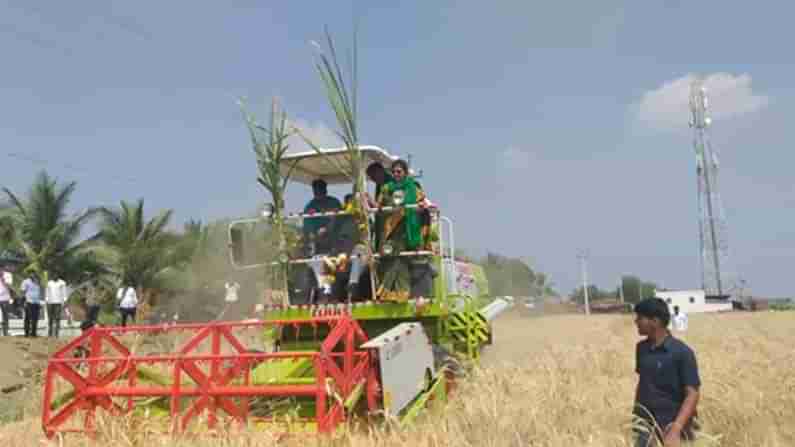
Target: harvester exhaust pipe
[{"x": 493, "y": 309}]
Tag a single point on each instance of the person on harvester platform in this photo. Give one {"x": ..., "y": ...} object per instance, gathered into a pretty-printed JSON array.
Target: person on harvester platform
[
  {"x": 402, "y": 231},
  {"x": 668, "y": 388},
  {"x": 380, "y": 176},
  {"x": 317, "y": 229}
]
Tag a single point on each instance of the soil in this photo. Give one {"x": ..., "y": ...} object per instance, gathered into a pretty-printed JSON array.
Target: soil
[{"x": 23, "y": 360}]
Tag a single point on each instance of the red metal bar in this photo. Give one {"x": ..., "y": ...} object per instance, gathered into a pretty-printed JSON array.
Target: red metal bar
[
  {"x": 112, "y": 330},
  {"x": 214, "y": 371},
  {"x": 175, "y": 388},
  {"x": 203, "y": 357},
  {"x": 227, "y": 391},
  {"x": 320, "y": 396},
  {"x": 47, "y": 397},
  {"x": 196, "y": 340},
  {"x": 347, "y": 386},
  {"x": 214, "y": 390}
]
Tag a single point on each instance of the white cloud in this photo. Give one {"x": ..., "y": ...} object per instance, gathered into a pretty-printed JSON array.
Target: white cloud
[
  {"x": 318, "y": 132},
  {"x": 667, "y": 106}
]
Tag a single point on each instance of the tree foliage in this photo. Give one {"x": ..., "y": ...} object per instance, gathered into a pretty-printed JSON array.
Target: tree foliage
[
  {"x": 636, "y": 288},
  {"x": 38, "y": 236},
  {"x": 594, "y": 294},
  {"x": 138, "y": 251},
  {"x": 508, "y": 276}
]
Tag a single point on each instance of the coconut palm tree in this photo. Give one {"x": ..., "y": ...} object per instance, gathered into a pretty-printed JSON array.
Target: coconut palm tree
[
  {"x": 138, "y": 252},
  {"x": 36, "y": 234}
]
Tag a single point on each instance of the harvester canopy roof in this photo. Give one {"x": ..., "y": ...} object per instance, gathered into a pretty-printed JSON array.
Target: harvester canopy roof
[{"x": 311, "y": 165}]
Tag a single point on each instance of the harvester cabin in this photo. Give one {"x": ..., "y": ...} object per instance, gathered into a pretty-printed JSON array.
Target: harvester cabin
[{"x": 331, "y": 261}]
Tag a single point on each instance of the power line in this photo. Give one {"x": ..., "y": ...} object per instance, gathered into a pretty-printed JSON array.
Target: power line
[
  {"x": 34, "y": 38},
  {"x": 41, "y": 161},
  {"x": 124, "y": 23}
]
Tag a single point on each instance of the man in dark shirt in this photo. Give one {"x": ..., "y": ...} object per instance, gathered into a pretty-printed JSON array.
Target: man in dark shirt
[
  {"x": 668, "y": 388},
  {"x": 316, "y": 229}
]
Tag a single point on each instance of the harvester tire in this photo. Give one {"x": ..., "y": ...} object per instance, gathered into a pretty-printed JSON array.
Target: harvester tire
[{"x": 443, "y": 359}]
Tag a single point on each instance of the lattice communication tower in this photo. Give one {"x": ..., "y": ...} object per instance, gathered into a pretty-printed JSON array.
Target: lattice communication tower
[{"x": 712, "y": 221}]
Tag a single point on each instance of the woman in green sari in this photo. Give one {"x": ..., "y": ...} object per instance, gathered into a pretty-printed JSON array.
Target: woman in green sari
[{"x": 402, "y": 231}]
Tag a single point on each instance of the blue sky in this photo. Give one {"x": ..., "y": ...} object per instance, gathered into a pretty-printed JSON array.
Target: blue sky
[{"x": 542, "y": 127}]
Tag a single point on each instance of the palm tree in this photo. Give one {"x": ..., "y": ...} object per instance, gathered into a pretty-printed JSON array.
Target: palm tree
[
  {"x": 138, "y": 252},
  {"x": 37, "y": 236}
]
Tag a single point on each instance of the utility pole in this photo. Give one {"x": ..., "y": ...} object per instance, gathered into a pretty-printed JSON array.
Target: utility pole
[
  {"x": 583, "y": 256},
  {"x": 621, "y": 288}
]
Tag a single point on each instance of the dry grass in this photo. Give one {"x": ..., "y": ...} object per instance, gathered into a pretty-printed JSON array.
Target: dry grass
[{"x": 569, "y": 380}]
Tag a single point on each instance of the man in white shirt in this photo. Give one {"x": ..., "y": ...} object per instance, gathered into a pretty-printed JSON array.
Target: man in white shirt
[
  {"x": 128, "y": 303},
  {"x": 231, "y": 292},
  {"x": 679, "y": 320},
  {"x": 5, "y": 301},
  {"x": 32, "y": 292},
  {"x": 56, "y": 298}
]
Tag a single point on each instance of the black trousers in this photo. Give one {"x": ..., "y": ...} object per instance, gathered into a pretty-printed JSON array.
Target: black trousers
[
  {"x": 127, "y": 313},
  {"x": 93, "y": 313},
  {"x": 32, "y": 319},
  {"x": 5, "y": 306},
  {"x": 54, "y": 319}
]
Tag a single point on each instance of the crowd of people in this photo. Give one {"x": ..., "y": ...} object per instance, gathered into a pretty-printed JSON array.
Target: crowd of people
[{"x": 26, "y": 302}]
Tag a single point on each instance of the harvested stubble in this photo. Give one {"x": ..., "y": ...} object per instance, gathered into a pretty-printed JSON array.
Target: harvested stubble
[{"x": 569, "y": 380}]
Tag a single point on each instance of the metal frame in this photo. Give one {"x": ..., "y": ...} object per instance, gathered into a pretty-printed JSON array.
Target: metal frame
[{"x": 340, "y": 375}]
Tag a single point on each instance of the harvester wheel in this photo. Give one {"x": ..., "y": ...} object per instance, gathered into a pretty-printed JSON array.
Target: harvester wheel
[{"x": 443, "y": 359}]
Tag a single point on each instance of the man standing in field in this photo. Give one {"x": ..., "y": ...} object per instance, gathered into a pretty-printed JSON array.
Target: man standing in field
[
  {"x": 668, "y": 388},
  {"x": 679, "y": 320},
  {"x": 32, "y": 291},
  {"x": 5, "y": 301}
]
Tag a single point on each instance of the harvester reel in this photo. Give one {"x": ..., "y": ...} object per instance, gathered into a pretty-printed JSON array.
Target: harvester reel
[{"x": 249, "y": 386}]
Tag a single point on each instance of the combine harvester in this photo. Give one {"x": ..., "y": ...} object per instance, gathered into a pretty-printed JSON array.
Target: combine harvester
[{"x": 330, "y": 351}]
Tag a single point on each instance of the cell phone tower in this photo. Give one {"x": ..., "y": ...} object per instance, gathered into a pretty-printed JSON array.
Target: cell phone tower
[{"x": 712, "y": 221}]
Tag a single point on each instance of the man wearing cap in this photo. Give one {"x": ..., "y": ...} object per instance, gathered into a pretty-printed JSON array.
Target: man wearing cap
[{"x": 668, "y": 388}]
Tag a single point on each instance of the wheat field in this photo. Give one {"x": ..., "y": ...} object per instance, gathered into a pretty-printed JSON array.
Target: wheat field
[{"x": 562, "y": 381}]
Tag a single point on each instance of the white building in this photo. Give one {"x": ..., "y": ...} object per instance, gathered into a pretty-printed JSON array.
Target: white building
[{"x": 692, "y": 301}]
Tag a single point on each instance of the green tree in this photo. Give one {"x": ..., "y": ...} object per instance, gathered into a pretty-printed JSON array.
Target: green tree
[
  {"x": 139, "y": 252},
  {"x": 38, "y": 236},
  {"x": 594, "y": 294},
  {"x": 635, "y": 288},
  {"x": 508, "y": 276}
]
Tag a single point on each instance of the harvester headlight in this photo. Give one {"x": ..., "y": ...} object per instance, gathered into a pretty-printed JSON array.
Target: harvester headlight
[
  {"x": 398, "y": 197},
  {"x": 388, "y": 249}
]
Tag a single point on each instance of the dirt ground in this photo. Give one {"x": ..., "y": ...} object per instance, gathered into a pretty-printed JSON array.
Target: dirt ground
[
  {"x": 22, "y": 365},
  {"x": 23, "y": 360}
]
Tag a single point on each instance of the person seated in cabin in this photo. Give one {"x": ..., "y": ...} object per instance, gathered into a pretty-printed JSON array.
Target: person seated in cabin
[
  {"x": 345, "y": 232},
  {"x": 350, "y": 254},
  {"x": 402, "y": 231},
  {"x": 316, "y": 229}
]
